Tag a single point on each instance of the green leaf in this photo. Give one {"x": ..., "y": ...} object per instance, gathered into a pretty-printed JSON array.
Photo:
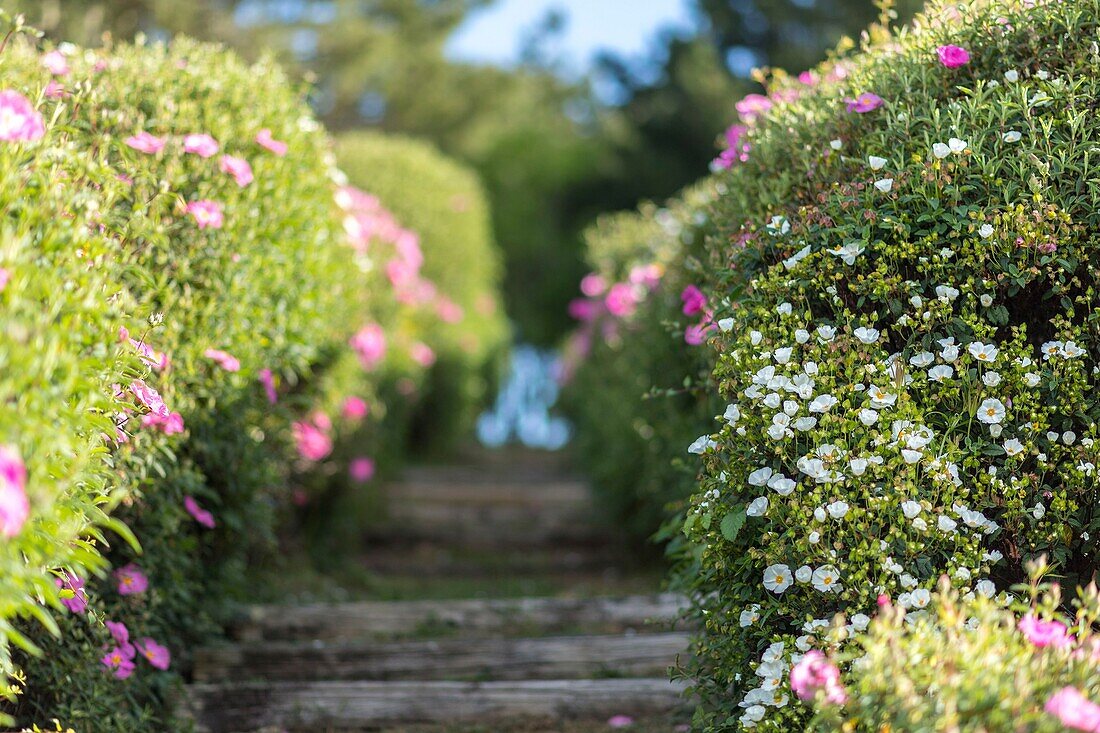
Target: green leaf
[{"x": 732, "y": 523}]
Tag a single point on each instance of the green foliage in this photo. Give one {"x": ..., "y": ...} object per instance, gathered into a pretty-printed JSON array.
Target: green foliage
[
  {"x": 963, "y": 665},
  {"x": 443, "y": 202},
  {"x": 911, "y": 369},
  {"x": 97, "y": 240},
  {"x": 633, "y": 407}
]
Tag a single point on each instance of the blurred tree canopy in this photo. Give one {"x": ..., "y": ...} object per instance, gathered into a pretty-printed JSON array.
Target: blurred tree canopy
[{"x": 553, "y": 150}]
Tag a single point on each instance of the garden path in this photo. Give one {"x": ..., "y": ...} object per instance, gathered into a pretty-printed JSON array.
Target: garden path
[{"x": 520, "y": 613}]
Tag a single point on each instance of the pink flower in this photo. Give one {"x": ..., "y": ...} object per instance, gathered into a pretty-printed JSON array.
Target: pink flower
[
  {"x": 370, "y": 345},
  {"x": 149, "y": 356},
  {"x": 361, "y": 469},
  {"x": 693, "y": 299},
  {"x": 197, "y": 513},
  {"x": 621, "y": 300},
  {"x": 238, "y": 168},
  {"x": 19, "y": 120},
  {"x": 313, "y": 444},
  {"x": 449, "y": 311},
  {"x": 593, "y": 285},
  {"x": 149, "y": 397},
  {"x": 56, "y": 63},
  {"x": 264, "y": 138},
  {"x": 120, "y": 660},
  {"x": 620, "y": 721},
  {"x": 808, "y": 78},
  {"x": 866, "y": 102},
  {"x": 200, "y": 144},
  {"x": 953, "y": 56},
  {"x": 1044, "y": 633},
  {"x": 753, "y": 106},
  {"x": 170, "y": 424},
  {"x": 119, "y": 632},
  {"x": 143, "y": 142},
  {"x": 422, "y": 354},
  {"x": 131, "y": 581},
  {"x": 78, "y": 602},
  {"x": 14, "y": 507},
  {"x": 157, "y": 655},
  {"x": 354, "y": 408},
  {"x": 226, "y": 361},
  {"x": 815, "y": 672},
  {"x": 5, "y": 276},
  {"x": 1074, "y": 710},
  {"x": 695, "y": 334},
  {"x": 55, "y": 90},
  {"x": 583, "y": 309},
  {"x": 267, "y": 379},
  {"x": 207, "y": 213}
]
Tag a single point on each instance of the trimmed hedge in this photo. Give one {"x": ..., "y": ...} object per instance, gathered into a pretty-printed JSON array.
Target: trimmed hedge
[
  {"x": 635, "y": 390},
  {"x": 911, "y": 369},
  {"x": 444, "y": 203},
  {"x": 180, "y": 344}
]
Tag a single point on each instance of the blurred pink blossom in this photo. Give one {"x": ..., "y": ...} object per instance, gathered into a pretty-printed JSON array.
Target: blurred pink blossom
[{"x": 19, "y": 120}]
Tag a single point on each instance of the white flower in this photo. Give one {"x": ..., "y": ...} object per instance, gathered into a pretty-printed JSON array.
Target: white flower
[
  {"x": 991, "y": 379},
  {"x": 803, "y": 574},
  {"x": 940, "y": 373},
  {"x": 814, "y": 537},
  {"x": 991, "y": 411},
  {"x": 876, "y": 162},
  {"x": 986, "y": 353},
  {"x": 1031, "y": 379},
  {"x": 822, "y": 403},
  {"x": 803, "y": 424},
  {"x": 858, "y": 466},
  {"x": 750, "y": 615},
  {"x": 778, "y": 225},
  {"x": 868, "y": 417},
  {"x": 985, "y": 231},
  {"x": 801, "y": 336},
  {"x": 1038, "y": 511},
  {"x": 860, "y": 621},
  {"x": 758, "y": 507},
  {"x": 777, "y": 578},
  {"x": 910, "y": 509},
  {"x": 819, "y": 514},
  {"x": 946, "y": 524},
  {"x": 1012, "y": 75},
  {"x": 1068, "y": 437},
  {"x": 884, "y": 184},
  {"x": 760, "y": 476},
  {"x": 781, "y": 485},
  {"x": 783, "y": 356},
  {"x": 784, "y": 309},
  {"x": 920, "y": 598},
  {"x": 755, "y": 337},
  {"x": 847, "y": 253},
  {"x": 803, "y": 644},
  {"x": 732, "y": 414},
  {"x": 940, "y": 150},
  {"x": 911, "y": 456},
  {"x": 1051, "y": 349},
  {"x": 726, "y": 325},
  {"x": 880, "y": 398},
  {"x": 773, "y": 400},
  {"x": 1071, "y": 350},
  {"x": 922, "y": 359},
  {"x": 946, "y": 293},
  {"x": 986, "y": 300},
  {"x": 985, "y": 588},
  {"x": 995, "y": 432},
  {"x": 1013, "y": 447},
  {"x": 825, "y": 579},
  {"x": 866, "y": 335},
  {"x": 957, "y": 145},
  {"x": 838, "y": 509},
  {"x": 702, "y": 444},
  {"x": 826, "y": 334},
  {"x": 836, "y": 144},
  {"x": 773, "y": 653},
  {"x": 1012, "y": 136}
]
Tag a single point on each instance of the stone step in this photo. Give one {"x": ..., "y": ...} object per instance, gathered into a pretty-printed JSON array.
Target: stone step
[
  {"x": 351, "y": 706},
  {"x": 334, "y": 622},
  {"x": 552, "y": 657}
]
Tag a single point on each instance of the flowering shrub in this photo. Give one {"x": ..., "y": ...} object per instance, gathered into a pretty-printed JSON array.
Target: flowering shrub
[
  {"x": 182, "y": 305},
  {"x": 984, "y": 665},
  {"x": 626, "y": 364},
  {"x": 461, "y": 334},
  {"x": 910, "y": 371}
]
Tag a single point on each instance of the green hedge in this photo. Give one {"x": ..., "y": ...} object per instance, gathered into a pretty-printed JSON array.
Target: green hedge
[
  {"x": 912, "y": 366},
  {"x": 241, "y": 326},
  {"x": 636, "y": 390},
  {"x": 443, "y": 202}
]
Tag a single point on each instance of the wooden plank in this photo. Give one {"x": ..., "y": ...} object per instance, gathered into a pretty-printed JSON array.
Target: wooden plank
[
  {"x": 312, "y": 706},
  {"x": 373, "y": 619},
  {"x": 556, "y": 657}
]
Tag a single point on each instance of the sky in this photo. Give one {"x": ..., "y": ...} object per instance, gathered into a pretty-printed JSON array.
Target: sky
[{"x": 494, "y": 35}]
